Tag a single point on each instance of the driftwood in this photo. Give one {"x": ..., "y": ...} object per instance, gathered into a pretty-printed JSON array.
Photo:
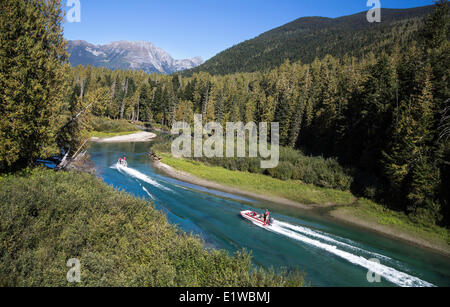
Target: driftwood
[
  {"x": 154, "y": 157},
  {"x": 66, "y": 160}
]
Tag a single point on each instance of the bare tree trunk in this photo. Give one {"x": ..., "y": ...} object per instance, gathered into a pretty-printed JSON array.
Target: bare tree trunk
[
  {"x": 205, "y": 105},
  {"x": 138, "y": 109},
  {"x": 81, "y": 89},
  {"x": 180, "y": 81},
  {"x": 122, "y": 107}
]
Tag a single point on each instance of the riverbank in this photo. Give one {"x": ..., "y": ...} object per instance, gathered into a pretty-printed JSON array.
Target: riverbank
[
  {"x": 336, "y": 205},
  {"x": 128, "y": 138}
]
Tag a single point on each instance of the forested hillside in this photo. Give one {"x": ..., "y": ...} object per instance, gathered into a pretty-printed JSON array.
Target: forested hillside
[
  {"x": 307, "y": 38},
  {"x": 382, "y": 115}
]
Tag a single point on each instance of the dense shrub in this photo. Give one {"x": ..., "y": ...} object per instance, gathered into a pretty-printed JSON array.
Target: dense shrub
[
  {"x": 283, "y": 171},
  {"x": 47, "y": 218},
  {"x": 103, "y": 124},
  {"x": 254, "y": 166}
]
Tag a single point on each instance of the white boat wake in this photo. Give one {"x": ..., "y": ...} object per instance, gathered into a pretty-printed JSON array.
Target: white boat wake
[
  {"x": 319, "y": 235},
  {"x": 148, "y": 193},
  {"x": 138, "y": 175},
  {"x": 316, "y": 239}
]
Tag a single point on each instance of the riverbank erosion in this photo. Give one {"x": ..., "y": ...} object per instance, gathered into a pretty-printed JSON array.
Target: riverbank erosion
[
  {"x": 130, "y": 138},
  {"x": 48, "y": 217},
  {"x": 339, "y": 206}
]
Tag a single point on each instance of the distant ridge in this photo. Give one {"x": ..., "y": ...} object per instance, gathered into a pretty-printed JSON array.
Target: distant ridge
[
  {"x": 128, "y": 55},
  {"x": 310, "y": 37}
]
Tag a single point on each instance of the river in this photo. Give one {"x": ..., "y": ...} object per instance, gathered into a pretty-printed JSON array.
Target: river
[{"x": 330, "y": 253}]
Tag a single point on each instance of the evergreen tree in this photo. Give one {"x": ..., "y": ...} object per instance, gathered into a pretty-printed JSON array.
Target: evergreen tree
[
  {"x": 407, "y": 163},
  {"x": 436, "y": 28},
  {"x": 32, "y": 79}
]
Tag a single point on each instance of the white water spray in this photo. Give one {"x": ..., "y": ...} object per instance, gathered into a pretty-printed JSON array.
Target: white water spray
[
  {"x": 299, "y": 233},
  {"x": 319, "y": 235},
  {"x": 138, "y": 175}
]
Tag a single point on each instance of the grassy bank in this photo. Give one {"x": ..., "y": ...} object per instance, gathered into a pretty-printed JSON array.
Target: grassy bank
[
  {"x": 370, "y": 213},
  {"x": 348, "y": 208},
  {"x": 47, "y": 218}
]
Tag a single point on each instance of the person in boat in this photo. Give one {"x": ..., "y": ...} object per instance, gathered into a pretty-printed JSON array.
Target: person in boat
[
  {"x": 120, "y": 161},
  {"x": 267, "y": 217}
]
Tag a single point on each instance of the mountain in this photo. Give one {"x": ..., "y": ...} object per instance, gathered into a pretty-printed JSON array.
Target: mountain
[
  {"x": 310, "y": 37},
  {"x": 128, "y": 55}
]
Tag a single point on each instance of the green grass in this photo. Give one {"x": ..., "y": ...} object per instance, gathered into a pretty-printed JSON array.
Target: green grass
[
  {"x": 362, "y": 209},
  {"x": 371, "y": 211},
  {"x": 258, "y": 183},
  {"x": 48, "y": 217}
]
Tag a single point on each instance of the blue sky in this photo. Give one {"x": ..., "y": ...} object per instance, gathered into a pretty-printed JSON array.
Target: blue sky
[{"x": 189, "y": 28}]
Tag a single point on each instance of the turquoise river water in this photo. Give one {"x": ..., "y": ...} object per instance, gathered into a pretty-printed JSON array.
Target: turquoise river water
[{"x": 330, "y": 253}]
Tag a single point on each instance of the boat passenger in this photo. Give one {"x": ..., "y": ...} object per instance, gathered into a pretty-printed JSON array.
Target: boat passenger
[{"x": 267, "y": 217}]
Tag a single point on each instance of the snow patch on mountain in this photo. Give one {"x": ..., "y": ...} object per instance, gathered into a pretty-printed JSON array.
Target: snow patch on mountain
[{"x": 128, "y": 55}]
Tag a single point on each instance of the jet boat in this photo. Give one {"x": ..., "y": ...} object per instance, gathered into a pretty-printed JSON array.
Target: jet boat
[
  {"x": 255, "y": 218},
  {"x": 123, "y": 163}
]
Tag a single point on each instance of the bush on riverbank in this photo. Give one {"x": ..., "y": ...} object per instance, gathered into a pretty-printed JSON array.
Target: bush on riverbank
[
  {"x": 47, "y": 218},
  {"x": 106, "y": 125}
]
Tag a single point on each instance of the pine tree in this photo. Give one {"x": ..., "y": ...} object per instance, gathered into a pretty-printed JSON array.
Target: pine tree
[
  {"x": 219, "y": 107},
  {"x": 32, "y": 81},
  {"x": 408, "y": 168},
  {"x": 435, "y": 31}
]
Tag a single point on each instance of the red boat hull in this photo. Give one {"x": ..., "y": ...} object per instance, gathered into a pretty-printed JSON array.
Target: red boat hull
[{"x": 255, "y": 218}]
